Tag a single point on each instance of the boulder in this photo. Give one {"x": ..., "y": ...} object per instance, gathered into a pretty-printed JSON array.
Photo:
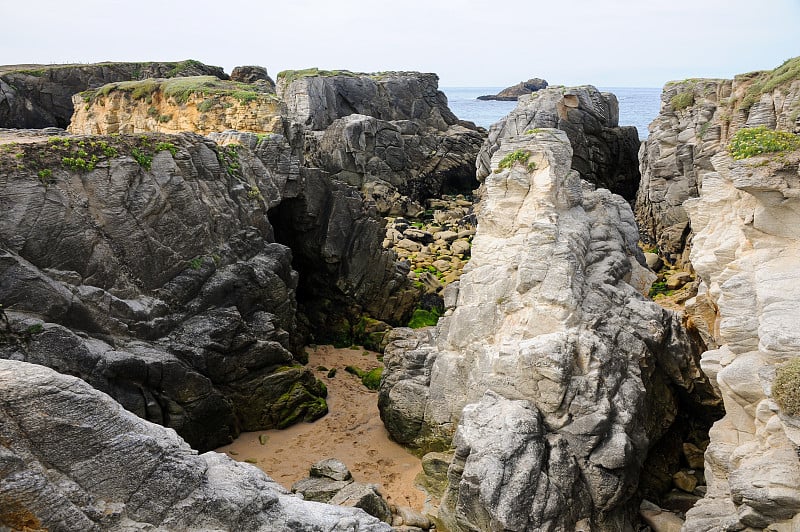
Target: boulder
[
  {"x": 548, "y": 406},
  {"x": 62, "y": 438},
  {"x": 331, "y": 468},
  {"x": 252, "y": 74},
  {"x": 366, "y": 497}
]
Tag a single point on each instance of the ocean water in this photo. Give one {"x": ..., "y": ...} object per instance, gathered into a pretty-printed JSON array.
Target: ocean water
[{"x": 637, "y": 106}]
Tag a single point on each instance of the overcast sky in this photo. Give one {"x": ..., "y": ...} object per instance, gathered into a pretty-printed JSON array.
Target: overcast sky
[{"x": 468, "y": 43}]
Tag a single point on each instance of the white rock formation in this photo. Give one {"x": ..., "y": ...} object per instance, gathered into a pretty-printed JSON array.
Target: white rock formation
[
  {"x": 546, "y": 363},
  {"x": 71, "y": 458},
  {"x": 746, "y": 249}
]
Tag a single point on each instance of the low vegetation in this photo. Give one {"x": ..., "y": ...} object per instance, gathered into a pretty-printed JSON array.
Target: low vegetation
[
  {"x": 371, "y": 379},
  {"x": 769, "y": 80},
  {"x": 681, "y": 101},
  {"x": 753, "y": 141},
  {"x": 517, "y": 156},
  {"x": 80, "y": 154},
  {"x": 180, "y": 90},
  {"x": 424, "y": 318},
  {"x": 291, "y": 75},
  {"x": 786, "y": 387}
]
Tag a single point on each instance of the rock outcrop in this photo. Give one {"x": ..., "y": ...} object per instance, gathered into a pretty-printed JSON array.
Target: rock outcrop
[
  {"x": 697, "y": 119},
  {"x": 389, "y": 134},
  {"x": 72, "y": 459},
  {"x": 553, "y": 377},
  {"x": 38, "y": 96},
  {"x": 745, "y": 249},
  {"x": 149, "y": 267},
  {"x": 512, "y": 94},
  {"x": 201, "y": 104},
  {"x": 603, "y": 153}
]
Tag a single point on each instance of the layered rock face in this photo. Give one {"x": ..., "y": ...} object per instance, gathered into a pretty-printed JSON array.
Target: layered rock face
[
  {"x": 72, "y": 459},
  {"x": 553, "y": 376},
  {"x": 390, "y": 134},
  {"x": 745, "y": 249},
  {"x": 151, "y": 271},
  {"x": 697, "y": 119},
  {"x": 603, "y": 153},
  {"x": 202, "y": 104},
  {"x": 38, "y": 96}
]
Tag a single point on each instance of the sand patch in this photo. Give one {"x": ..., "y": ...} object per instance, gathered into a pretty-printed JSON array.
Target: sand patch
[{"x": 352, "y": 431}]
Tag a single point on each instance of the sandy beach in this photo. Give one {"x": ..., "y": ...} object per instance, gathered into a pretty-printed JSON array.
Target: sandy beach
[{"x": 352, "y": 431}]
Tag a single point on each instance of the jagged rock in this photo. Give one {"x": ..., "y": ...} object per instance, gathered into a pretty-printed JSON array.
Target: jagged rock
[
  {"x": 366, "y": 497},
  {"x": 697, "y": 119},
  {"x": 73, "y": 459},
  {"x": 37, "y": 96},
  {"x": 745, "y": 249},
  {"x": 164, "y": 287},
  {"x": 512, "y": 94},
  {"x": 531, "y": 367},
  {"x": 684, "y": 481},
  {"x": 331, "y": 468},
  {"x": 603, "y": 153}
]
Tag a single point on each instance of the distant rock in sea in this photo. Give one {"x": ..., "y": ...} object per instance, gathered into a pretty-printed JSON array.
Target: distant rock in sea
[{"x": 510, "y": 94}]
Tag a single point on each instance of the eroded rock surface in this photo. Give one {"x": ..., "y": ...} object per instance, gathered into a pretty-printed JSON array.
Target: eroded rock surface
[
  {"x": 603, "y": 153},
  {"x": 164, "y": 286},
  {"x": 553, "y": 376},
  {"x": 512, "y": 94},
  {"x": 697, "y": 119},
  {"x": 72, "y": 459},
  {"x": 37, "y": 96},
  {"x": 745, "y": 249}
]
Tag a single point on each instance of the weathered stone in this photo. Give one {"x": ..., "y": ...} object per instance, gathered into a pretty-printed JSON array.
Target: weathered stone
[
  {"x": 331, "y": 468},
  {"x": 319, "y": 489},
  {"x": 251, "y": 74},
  {"x": 684, "y": 481},
  {"x": 515, "y": 370},
  {"x": 658, "y": 519},
  {"x": 678, "y": 279},
  {"x": 744, "y": 250},
  {"x": 119, "y": 472},
  {"x": 603, "y": 153},
  {"x": 694, "y": 456},
  {"x": 413, "y": 518},
  {"x": 654, "y": 262},
  {"x": 433, "y": 477},
  {"x": 366, "y": 497}
]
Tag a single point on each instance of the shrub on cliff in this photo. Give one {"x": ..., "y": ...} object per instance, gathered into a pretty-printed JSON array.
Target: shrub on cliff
[
  {"x": 786, "y": 387},
  {"x": 754, "y": 141}
]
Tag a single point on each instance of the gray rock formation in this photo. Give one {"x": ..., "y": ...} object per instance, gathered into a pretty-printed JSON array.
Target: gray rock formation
[
  {"x": 697, "y": 119},
  {"x": 512, "y": 94},
  {"x": 553, "y": 377},
  {"x": 603, "y": 153},
  {"x": 166, "y": 282},
  {"x": 252, "y": 74},
  {"x": 745, "y": 250},
  {"x": 72, "y": 459},
  {"x": 37, "y": 96},
  {"x": 390, "y": 134}
]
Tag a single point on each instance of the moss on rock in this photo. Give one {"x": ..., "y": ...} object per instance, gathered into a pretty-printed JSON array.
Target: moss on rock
[{"x": 786, "y": 387}]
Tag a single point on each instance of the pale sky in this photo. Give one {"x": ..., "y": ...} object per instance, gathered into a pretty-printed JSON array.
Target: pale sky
[{"x": 633, "y": 43}]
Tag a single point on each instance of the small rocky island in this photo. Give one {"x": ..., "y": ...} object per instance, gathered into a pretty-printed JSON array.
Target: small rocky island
[
  {"x": 512, "y": 94},
  {"x": 567, "y": 343}
]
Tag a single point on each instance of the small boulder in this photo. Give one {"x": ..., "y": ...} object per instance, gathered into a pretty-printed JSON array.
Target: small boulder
[
  {"x": 460, "y": 247},
  {"x": 366, "y": 497},
  {"x": 658, "y": 519},
  {"x": 331, "y": 468},
  {"x": 678, "y": 280},
  {"x": 418, "y": 235},
  {"x": 683, "y": 480},
  {"x": 412, "y": 518},
  {"x": 653, "y": 261},
  {"x": 319, "y": 489},
  {"x": 695, "y": 456},
  {"x": 409, "y": 245}
]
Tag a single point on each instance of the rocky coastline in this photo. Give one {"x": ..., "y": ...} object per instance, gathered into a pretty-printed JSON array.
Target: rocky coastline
[{"x": 576, "y": 330}]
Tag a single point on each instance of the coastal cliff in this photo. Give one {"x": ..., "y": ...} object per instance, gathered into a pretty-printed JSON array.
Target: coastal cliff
[
  {"x": 697, "y": 119},
  {"x": 38, "y": 96},
  {"x": 519, "y": 379}
]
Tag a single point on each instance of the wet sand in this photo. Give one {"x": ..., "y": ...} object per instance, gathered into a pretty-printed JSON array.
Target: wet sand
[{"x": 352, "y": 431}]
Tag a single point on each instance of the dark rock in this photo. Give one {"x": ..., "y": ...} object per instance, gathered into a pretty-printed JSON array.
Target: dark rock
[
  {"x": 319, "y": 489},
  {"x": 251, "y": 74},
  {"x": 37, "y": 96},
  {"x": 511, "y": 94}
]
